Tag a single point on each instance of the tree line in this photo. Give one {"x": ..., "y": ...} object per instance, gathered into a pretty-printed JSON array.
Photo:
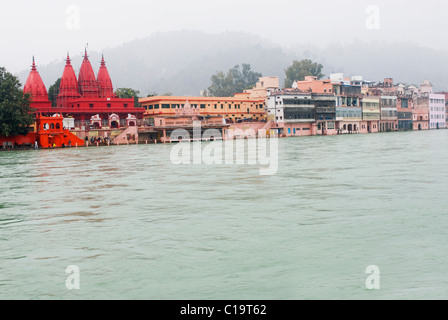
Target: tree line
[{"x": 238, "y": 79}]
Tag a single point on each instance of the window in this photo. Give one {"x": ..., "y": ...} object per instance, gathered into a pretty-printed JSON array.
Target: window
[
  {"x": 91, "y": 105},
  {"x": 150, "y": 107},
  {"x": 202, "y": 106},
  {"x": 108, "y": 105},
  {"x": 125, "y": 105},
  {"x": 165, "y": 106},
  {"x": 156, "y": 106}
]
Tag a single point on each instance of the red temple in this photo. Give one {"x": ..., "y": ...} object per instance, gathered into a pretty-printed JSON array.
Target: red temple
[{"x": 83, "y": 97}]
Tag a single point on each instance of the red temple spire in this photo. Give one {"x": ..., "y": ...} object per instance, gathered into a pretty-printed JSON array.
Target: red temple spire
[
  {"x": 35, "y": 86},
  {"x": 68, "y": 88},
  {"x": 105, "y": 82},
  {"x": 88, "y": 85}
]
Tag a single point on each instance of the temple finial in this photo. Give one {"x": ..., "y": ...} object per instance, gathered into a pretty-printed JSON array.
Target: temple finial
[
  {"x": 33, "y": 66},
  {"x": 85, "y": 52}
]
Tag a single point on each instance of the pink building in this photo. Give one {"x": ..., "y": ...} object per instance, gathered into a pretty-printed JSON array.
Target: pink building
[
  {"x": 437, "y": 111},
  {"x": 420, "y": 113}
]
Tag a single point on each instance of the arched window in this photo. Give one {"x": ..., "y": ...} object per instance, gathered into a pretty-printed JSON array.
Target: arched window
[
  {"x": 58, "y": 126},
  {"x": 52, "y": 126}
]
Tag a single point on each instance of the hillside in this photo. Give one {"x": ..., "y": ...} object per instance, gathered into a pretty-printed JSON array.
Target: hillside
[{"x": 182, "y": 62}]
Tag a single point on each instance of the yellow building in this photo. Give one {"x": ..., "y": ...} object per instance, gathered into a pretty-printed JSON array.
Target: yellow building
[{"x": 234, "y": 109}]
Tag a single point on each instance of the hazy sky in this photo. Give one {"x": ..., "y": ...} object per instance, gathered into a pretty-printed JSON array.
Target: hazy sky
[{"x": 48, "y": 29}]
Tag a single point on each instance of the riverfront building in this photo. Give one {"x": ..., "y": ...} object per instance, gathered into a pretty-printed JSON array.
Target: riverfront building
[
  {"x": 233, "y": 109},
  {"x": 404, "y": 110},
  {"x": 371, "y": 113},
  {"x": 437, "y": 111},
  {"x": 302, "y": 114},
  {"x": 389, "y": 113}
]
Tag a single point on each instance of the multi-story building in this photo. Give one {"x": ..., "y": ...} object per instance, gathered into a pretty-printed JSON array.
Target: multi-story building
[
  {"x": 437, "y": 111},
  {"x": 404, "y": 109},
  {"x": 420, "y": 113},
  {"x": 293, "y": 112},
  {"x": 297, "y": 113},
  {"x": 325, "y": 105},
  {"x": 389, "y": 114},
  {"x": 371, "y": 113},
  {"x": 446, "y": 105},
  {"x": 233, "y": 109}
]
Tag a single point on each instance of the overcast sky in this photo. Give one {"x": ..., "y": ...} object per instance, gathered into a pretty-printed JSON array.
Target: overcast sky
[{"x": 48, "y": 29}]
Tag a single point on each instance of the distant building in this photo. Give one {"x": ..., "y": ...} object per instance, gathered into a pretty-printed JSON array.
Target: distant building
[
  {"x": 404, "y": 108},
  {"x": 389, "y": 114},
  {"x": 371, "y": 113},
  {"x": 297, "y": 113},
  {"x": 426, "y": 87},
  {"x": 420, "y": 113},
  {"x": 264, "y": 86},
  {"x": 437, "y": 111}
]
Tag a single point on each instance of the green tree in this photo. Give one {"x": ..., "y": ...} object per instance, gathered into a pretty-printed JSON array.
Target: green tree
[
  {"x": 234, "y": 81},
  {"x": 16, "y": 115},
  {"x": 128, "y": 93},
  {"x": 300, "y": 69},
  {"x": 53, "y": 92}
]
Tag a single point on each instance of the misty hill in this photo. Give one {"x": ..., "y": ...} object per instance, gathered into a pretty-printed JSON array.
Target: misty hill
[{"x": 182, "y": 62}]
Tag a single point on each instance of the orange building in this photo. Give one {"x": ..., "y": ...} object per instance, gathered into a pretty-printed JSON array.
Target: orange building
[
  {"x": 51, "y": 133},
  {"x": 311, "y": 84},
  {"x": 233, "y": 109}
]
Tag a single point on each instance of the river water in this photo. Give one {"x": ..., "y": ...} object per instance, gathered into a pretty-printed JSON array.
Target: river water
[{"x": 138, "y": 226}]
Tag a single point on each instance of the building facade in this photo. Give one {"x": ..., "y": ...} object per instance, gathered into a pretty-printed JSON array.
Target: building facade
[
  {"x": 232, "y": 109},
  {"x": 437, "y": 111},
  {"x": 389, "y": 114},
  {"x": 371, "y": 113},
  {"x": 404, "y": 109}
]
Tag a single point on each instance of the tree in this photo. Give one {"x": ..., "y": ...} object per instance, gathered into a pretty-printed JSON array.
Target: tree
[
  {"x": 234, "y": 81},
  {"x": 300, "y": 69},
  {"x": 16, "y": 115},
  {"x": 53, "y": 92},
  {"x": 128, "y": 93}
]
